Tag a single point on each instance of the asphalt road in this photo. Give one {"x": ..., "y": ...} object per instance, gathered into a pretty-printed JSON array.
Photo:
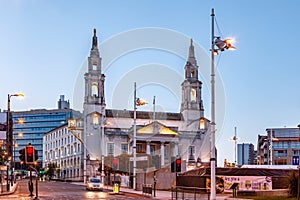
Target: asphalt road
[{"x": 66, "y": 191}]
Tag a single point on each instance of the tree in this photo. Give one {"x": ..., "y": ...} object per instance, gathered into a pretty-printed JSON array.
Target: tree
[
  {"x": 293, "y": 183},
  {"x": 2, "y": 157},
  {"x": 50, "y": 170}
]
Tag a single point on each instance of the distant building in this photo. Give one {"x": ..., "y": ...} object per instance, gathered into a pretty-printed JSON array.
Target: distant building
[
  {"x": 262, "y": 150},
  {"x": 246, "y": 154},
  {"x": 62, "y": 104},
  {"x": 34, "y": 124},
  {"x": 278, "y": 147}
]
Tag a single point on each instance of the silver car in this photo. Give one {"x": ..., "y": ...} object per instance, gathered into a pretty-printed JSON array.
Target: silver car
[{"x": 94, "y": 184}]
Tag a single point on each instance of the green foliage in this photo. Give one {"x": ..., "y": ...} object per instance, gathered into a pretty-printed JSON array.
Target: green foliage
[
  {"x": 2, "y": 157},
  {"x": 293, "y": 184},
  {"x": 50, "y": 170}
]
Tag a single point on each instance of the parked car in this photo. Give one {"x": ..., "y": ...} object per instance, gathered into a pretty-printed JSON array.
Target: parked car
[{"x": 94, "y": 184}]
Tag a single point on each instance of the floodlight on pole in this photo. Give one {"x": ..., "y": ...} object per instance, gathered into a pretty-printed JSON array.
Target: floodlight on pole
[
  {"x": 9, "y": 132},
  {"x": 221, "y": 46}
]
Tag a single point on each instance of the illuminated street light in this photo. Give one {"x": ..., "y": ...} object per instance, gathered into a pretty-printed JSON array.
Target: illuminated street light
[
  {"x": 221, "y": 46},
  {"x": 9, "y": 138}
]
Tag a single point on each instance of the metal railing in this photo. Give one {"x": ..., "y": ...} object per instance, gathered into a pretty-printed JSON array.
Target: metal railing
[
  {"x": 189, "y": 193},
  {"x": 147, "y": 189}
]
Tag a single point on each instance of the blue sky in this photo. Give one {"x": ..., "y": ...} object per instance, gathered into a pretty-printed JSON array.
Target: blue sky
[{"x": 44, "y": 44}]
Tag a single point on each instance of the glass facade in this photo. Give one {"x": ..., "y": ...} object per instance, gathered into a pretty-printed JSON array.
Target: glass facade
[
  {"x": 283, "y": 145},
  {"x": 35, "y": 124},
  {"x": 245, "y": 154}
]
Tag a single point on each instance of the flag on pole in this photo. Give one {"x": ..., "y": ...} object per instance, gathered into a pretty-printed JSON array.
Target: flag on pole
[{"x": 140, "y": 102}]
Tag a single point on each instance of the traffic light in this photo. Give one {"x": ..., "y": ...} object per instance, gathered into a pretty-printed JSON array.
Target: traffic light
[
  {"x": 29, "y": 155},
  {"x": 115, "y": 163},
  {"x": 178, "y": 164},
  {"x": 36, "y": 155},
  {"x": 22, "y": 155}
]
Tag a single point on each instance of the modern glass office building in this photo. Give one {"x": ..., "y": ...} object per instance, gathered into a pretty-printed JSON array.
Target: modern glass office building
[
  {"x": 246, "y": 154},
  {"x": 30, "y": 126}
]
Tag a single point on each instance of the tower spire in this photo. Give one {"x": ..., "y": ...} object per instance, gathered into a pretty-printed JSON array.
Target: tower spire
[
  {"x": 191, "y": 57},
  {"x": 95, "y": 41}
]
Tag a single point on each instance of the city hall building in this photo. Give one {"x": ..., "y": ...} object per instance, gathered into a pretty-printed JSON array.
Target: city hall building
[{"x": 110, "y": 132}]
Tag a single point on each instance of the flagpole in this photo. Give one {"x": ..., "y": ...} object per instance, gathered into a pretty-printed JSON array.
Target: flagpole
[
  {"x": 154, "y": 108},
  {"x": 134, "y": 137}
]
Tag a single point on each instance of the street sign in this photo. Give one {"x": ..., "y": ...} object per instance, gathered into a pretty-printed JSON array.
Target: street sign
[
  {"x": 295, "y": 160},
  {"x": 142, "y": 158}
]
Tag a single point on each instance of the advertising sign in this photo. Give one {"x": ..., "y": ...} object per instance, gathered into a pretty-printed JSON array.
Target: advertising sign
[
  {"x": 224, "y": 183},
  {"x": 248, "y": 182}
]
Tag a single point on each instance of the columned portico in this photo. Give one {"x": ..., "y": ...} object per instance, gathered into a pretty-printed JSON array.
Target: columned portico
[
  {"x": 148, "y": 147},
  {"x": 175, "y": 149},
  {"x": 162, "y": 153}
]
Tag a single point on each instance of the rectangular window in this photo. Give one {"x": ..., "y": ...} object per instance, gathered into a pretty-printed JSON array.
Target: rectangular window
[
  {"x": 140, "y": 148},
  {"x": 124, "y": 148},
  {"x": 110, "y": 149}
]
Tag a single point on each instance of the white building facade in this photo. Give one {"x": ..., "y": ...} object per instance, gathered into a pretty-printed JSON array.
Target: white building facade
[{"x": 64, "y": 149}]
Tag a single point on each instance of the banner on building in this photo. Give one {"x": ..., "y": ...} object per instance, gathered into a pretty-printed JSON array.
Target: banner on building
[
  {"x": 248, "y": 182},
  {"x": 3, "y": 126}
]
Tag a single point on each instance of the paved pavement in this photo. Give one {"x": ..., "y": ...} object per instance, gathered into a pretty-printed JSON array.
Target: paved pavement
[
  {"x": 161, "y": 195},
  {"x": 11, "y": 191}
]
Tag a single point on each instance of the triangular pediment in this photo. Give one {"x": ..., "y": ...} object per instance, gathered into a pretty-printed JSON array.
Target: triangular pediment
[{"x": 156, "y": 128}]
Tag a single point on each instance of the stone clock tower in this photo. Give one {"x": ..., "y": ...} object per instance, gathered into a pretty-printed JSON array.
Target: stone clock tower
[
  {"x": 191, "y": 105},
  {"x": 93, "y": 110}
]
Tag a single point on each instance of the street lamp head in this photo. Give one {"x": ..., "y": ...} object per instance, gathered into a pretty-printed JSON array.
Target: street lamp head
[
  {"x": 224, "y": 44},
  {"x": 20, "y": 121},
  {"x": 220, "y": 44}
]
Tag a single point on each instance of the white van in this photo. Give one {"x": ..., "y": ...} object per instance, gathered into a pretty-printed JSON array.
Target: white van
[{"x": 94, "y": 184}]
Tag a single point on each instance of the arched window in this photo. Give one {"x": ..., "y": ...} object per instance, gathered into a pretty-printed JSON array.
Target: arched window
[
  {"x": 96, "y": 119},
  {"x": 193, "y": 95},
  {"x": 95, "y": 89}
]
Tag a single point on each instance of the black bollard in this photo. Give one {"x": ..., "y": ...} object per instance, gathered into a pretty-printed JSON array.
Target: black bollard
[{"x": 30, "y": 187}]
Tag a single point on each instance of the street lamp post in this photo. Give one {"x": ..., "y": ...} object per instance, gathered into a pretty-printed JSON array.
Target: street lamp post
[
  {"x": 136, "y": 102},
  {"x": 221, "y": 45},
  {"x": 212, "y": 136},
  {"x": 9, "y": 138},
  {"x": 102, "y": 144},
  {"x": 134, "y": 137},
  {"x": 298, "y": 193}
]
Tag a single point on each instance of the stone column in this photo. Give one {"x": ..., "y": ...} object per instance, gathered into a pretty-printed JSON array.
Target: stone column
[
  {"x": 148, "y": 147},
  {"x": 162, "y": 153},
  {"x": 175, "y": 149}
]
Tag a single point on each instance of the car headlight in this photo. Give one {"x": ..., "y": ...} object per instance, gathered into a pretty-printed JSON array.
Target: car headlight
[{"x": 90, "y": 185}]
